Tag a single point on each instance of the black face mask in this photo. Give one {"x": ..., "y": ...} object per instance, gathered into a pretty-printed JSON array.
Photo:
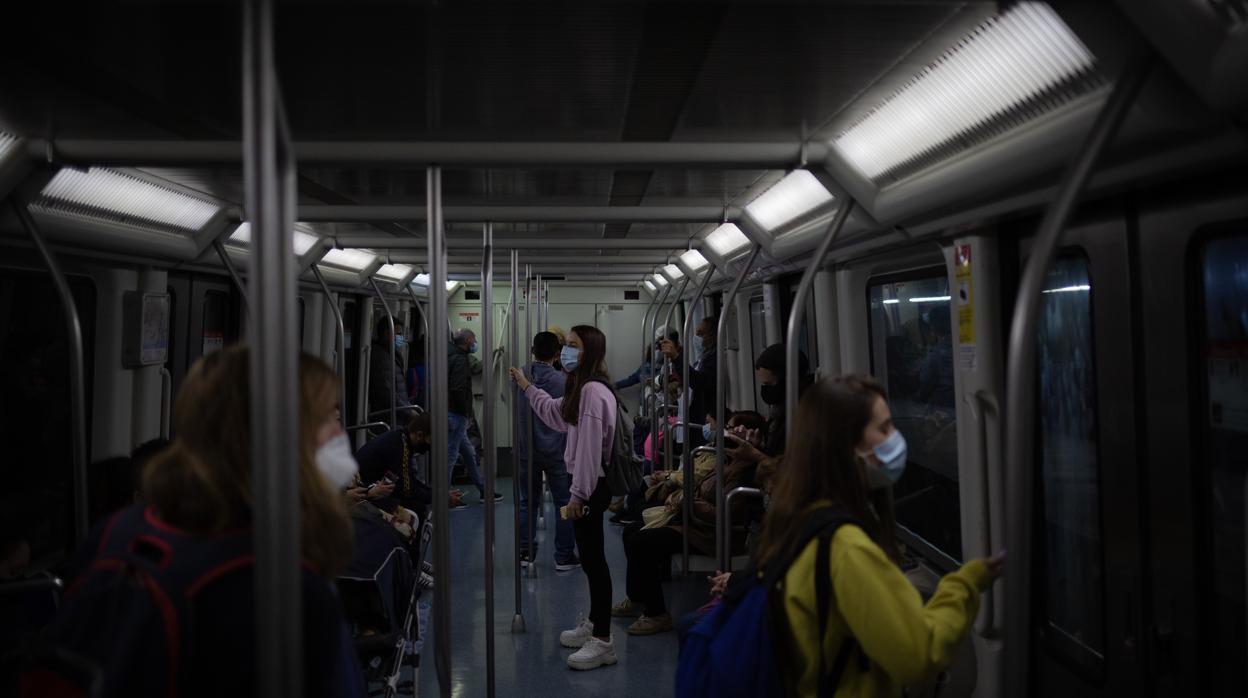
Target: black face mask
[{"x": 772, "y": 394}]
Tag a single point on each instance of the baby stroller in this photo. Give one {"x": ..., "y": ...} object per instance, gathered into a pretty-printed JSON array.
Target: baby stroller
[{"x": 379, "y": 593}]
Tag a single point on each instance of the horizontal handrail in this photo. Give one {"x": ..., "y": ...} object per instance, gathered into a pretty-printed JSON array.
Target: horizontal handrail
[
  {"x": 744, "y": 491},
  {"x": 23, "y": 586},
  {"x": 367, "y": 425},
  {"x": 401, "y": 408}
]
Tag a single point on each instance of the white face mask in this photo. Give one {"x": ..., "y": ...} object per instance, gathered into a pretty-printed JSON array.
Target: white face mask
[{"x": 335, "y": 461}]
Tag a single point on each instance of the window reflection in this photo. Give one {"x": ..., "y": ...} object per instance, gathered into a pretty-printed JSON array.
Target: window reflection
[
  {"x": 912, "y": 355},
  {"x": 1074, "y": 588},
  {"x": 1225, "y": 451}
]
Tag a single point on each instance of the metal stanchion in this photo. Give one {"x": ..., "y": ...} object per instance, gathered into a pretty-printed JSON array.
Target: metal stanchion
[
  {"x": 791, "y": 366},
  {"x": 487, "y": 436},
  {"x": 233, "y": 274},
  {"x": 721, "y": 397},
  {"x": 530, "y": 520},
  {"x": 517, "y": 621},
  {"x": 650, "y": 375},
  {"x": 77, "y": 374},
  {"x": 439, "y": 417},
  {"x": 687, "y": 451},
  {"x": 394, "y": 397},
  {"x": 667, "y": 371},
  {"x": 340, "y": 346},
  {"x": 269, "y": 177}
]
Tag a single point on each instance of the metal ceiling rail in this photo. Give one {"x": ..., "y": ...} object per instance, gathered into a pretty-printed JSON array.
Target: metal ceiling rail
[
  {"x": 652, "y": 260},
  {"x": 451, "y": 154},
  {"x": 313, "y": 213},
  {"x": 531, "y": 243}
]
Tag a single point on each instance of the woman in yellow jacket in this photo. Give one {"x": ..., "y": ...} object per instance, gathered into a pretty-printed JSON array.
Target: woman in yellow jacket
[{"x": 845, "y": 452}]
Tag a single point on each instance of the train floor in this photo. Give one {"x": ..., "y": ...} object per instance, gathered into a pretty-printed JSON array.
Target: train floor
[{"x": 533, "y": 663}]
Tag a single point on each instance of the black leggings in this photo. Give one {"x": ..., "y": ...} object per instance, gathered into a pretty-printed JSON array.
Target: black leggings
[
  {"x": 589, "y": 543},
  {"x": 649, "y": 554}
]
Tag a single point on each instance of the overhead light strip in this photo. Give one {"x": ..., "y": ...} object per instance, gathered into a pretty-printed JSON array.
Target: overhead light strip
[
  {"x": 797, "y": 194},
  {"x": 301, "y": 242},
  {"x": 727, "y": 239},
  {"x": 7, "y": 141},
  {"x": 1013, "y": 67},
  {"x": 104, "y": 193},
  {"x": 354, "y": 259}
]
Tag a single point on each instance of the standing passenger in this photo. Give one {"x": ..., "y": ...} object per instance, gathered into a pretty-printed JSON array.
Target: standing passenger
[
  {"x": 459, "y": 368},
  {"x": 845, "y": 453},
  {"x": 587, "y": 412}
]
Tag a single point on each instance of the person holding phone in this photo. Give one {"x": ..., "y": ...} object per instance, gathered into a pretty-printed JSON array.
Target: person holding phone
[{"x": 587, "y": 414}]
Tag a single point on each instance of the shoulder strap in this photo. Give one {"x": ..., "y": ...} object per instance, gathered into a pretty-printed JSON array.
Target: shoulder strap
[{"x": 828, "y": 681}]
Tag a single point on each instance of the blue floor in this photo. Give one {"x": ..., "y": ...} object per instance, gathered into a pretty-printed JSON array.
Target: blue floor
[{"x": 533, "y": 663}]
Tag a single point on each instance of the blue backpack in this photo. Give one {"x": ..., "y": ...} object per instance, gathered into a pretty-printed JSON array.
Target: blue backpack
[{"x": 736, "y": 649}]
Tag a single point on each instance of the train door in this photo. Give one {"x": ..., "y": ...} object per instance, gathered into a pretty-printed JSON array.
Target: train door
[
  {"x": 621, "y": 323},
  {"x": 1086, "y": 551},
  {"x": 352, "y": 332},
  {"x": 1194, "y": 326},
  {"x": 206, "y": 316}
]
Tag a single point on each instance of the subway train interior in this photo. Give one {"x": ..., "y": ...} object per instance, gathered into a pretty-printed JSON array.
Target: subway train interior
[{"x": 1028, "y": 221}]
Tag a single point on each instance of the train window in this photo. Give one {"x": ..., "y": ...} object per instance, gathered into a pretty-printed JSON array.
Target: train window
[
  {"x": 758, "y": 342},
  {"x": 216, "y": 314},
  {"x": 1224, "y": 449},
  {"x": 37, "y": 499},
  {"x": 1070, "y": 472},
  {"x": 806, "y": 335},
  {"x": 912, "y": 355}
]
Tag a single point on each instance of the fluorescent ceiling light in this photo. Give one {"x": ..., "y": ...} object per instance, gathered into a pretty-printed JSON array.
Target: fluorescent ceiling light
[
  {"x": 727, "y": 239},
  {"x": 302, "y": 241},
  {"x": 797, "y": 194},
  {"x": 649, "y": 285},
  {"x": 694, "y": 260},
  {"x": 423, "y": 280},
  {"x": 892, "y": 301},
  {"x": 1007, "y": 62},
  {"x": 672, "y": 272},
  {"x": 394, "y": 272},
  {"x": 1068, "y": 289},
  {"x": 929, "y": 299},
  {"x": 103, "y": 191},
  {"x": 7, "y": 141},
  {"x": 353, "y": 259}
]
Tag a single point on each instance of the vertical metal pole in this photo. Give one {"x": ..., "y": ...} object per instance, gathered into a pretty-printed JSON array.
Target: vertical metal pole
[
  {"x": 518, "y": 402},
  {"x": 438, "y": 412},
  {"x": 530, "y": 519},
  {"x": 340, "y": 348},
  {"x": 268, "y": 173},
  {"x": 424, "y": 319},
  {"x": 77, "y": 371},
  {"x": 394, "y": 398},
  {"x": 487, "y": 436},
  {"x": 791, "y": 367},
  {"x": 229, "y": 269},
  {"x": 654, "y": 371},
  {"x": 667, "y": 371},
  {"x": 1021, "y": 375},
  {"x": 721, "y": 398},
  {"x": 687, "y": 451}
]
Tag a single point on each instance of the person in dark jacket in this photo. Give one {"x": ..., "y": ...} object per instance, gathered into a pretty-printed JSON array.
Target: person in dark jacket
[
  {"x": 460, "y": 414},
  {"x": 548, "y": 447},
  {"x": 701, "y": 373},
  {"x": 384, "y": 374},
  {"x": 395, "y": 451}
]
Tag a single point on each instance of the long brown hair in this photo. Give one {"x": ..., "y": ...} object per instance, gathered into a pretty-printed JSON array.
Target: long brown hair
[
  {"x": 820, "y": 463},
  {"x": 592, "y": 365},
  {"x": 202, "y": 483}
]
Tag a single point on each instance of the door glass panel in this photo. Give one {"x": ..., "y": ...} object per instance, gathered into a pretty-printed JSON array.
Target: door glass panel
[
  {"x": 1066, "y": 406},
  {"x": 216, "y": 310},
  {"x": 912, "y": 355},
  {"x": 1225, "y": 452}
]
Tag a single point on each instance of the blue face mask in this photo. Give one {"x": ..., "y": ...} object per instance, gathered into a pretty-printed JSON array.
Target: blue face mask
[
  {"x": 891, "y": 454},
  {"x": 708, "y": 434},
  {"x": 569, "y": 357},
  {"x": 472, "y": 349},
  {"x": 399, "y": 342}
]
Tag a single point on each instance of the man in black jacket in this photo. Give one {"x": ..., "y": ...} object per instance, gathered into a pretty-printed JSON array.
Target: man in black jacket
[
  {"x": 460, "y": 368},
  {"x": 701, "y": 374}
]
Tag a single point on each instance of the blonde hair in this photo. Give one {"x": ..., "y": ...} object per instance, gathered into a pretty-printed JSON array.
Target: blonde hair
[{"x": 202, "y": 483}]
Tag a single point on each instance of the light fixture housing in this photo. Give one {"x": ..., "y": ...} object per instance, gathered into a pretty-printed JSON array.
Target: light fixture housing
[
  {"x": 692, "y": 262},
  {"x": 300, "y": 240},
  {"x": 8, "y": 142},
  {"x": 672, "y": 273},
  {"x": 649, "y": 286},
  {"x": 396, "y": 273},
  {"x": 797, "y": 194},
  {"x": 351, "y": 258},
  {"x": 101, "y": 193},
  {"x": 1018, "y": 64},
  {"x": 423, "y": 280},
  {"x": 726, "y": 240},
  {"x": 659, "y": 280}
]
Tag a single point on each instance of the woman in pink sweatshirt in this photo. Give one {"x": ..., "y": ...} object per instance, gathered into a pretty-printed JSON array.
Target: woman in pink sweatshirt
[{"x": 587, "y": 414}]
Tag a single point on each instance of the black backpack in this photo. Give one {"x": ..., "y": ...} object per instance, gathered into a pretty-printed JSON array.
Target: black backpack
[
  {"x": 123, "y": 629},
  {"x": 623, "y": 468}
]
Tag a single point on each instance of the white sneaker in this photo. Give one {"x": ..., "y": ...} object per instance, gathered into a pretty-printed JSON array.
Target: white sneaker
[
  {"x": 577, "y": 637},
  {"x": 593, "y": 654}
]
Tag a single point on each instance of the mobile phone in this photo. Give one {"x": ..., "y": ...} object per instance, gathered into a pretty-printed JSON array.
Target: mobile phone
[{"x": 389, "y": 478}]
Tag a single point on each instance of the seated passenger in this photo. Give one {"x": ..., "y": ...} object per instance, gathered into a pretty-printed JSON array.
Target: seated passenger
[
  {"x": 394, "y": 452},
  {"x": 845, "y": 453},
  {"x": 192, "y": 543},
  {"x": 739, "y": 424},
  {"x": 769, "y": 370},
  {"x": 649, "y": 548}
]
